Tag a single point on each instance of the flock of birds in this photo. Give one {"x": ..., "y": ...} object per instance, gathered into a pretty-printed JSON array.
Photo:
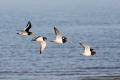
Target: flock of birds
[{"x": 88, "y": 51}]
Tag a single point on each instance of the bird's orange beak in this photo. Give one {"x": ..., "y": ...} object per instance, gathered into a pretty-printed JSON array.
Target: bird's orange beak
[
  {"x": 96, "y": 54},
  {"x": 68, "y": 41},
  {"x": 47, "y": 39},
  {"x": 33, "y": 39},
  {"x": 33, "y": 32}
]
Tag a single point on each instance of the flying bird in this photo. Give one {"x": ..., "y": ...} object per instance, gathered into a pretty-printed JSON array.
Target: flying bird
[
  {"x": 59, "y": 38},
  {"x": 26, "y": 31},
  {"x": 42, "y": 42},
  {"x": 87, "y": 50}
]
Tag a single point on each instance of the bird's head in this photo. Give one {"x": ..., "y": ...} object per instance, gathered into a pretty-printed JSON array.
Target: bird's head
[
  {"x": 91, "y": 50},
  {"x": 45, "y": 38},
  {"x": 32, "y": 32},
  {"x": 64, "y": 39}
]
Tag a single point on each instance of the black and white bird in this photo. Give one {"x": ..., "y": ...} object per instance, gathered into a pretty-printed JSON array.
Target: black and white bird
[
  {"x": 59, "y": 38},
  {"x": 42, "y": 42},
  {"x": 87, "y": 50},
  {"x": 26, "y": 31}
]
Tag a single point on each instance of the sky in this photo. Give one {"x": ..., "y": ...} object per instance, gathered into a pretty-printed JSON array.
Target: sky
[
  {"x": 61, "y": 3},
  {"x": 84, "y": 10}
]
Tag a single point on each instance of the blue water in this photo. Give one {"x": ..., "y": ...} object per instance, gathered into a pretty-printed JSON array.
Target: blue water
[{"x": 97, "y": 25}]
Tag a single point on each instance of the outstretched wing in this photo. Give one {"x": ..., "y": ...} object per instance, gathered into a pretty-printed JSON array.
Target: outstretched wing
[
  {"x": 58, "y": 34},
  {"x": 86, "y": 48},
  {"x": 28, "y": 26},
  {"x": 39, "y": 38},
  {"x": 42, "y": 47}
]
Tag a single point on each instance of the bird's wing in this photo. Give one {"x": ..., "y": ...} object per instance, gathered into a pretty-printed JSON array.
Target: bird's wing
[
  {"x": 28, "y": 26},
  {"x": 86, "y": 48},
  {"x": 58, "y": 34},
  {"x": 42, "y": 47},
  {"x": 39, "y": 38}
]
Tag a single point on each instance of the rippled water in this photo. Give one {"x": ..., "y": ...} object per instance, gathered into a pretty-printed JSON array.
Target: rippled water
[{"x": 20, "y": 58}]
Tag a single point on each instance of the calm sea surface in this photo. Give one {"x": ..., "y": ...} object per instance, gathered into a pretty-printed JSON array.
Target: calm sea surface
[{"x": 97, "y": 26}]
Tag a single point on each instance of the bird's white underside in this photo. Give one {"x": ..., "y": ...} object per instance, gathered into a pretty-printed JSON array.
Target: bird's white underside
[{"x": 87, "y": 51}]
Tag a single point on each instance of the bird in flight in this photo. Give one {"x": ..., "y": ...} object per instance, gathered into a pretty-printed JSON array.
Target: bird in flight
[
  {"x": 42, "y": 42},
  {"x": 87, "y": 50},
  {"x": 26, "y": 31},
  {"x": 59, "y": 38}
]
